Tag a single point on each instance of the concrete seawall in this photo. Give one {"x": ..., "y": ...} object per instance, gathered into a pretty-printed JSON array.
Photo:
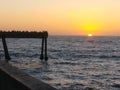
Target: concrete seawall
[{"x": 11, "y": 78}]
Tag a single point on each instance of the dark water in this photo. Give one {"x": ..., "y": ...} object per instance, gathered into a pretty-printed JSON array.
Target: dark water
[{"x": 75, "y": 63}]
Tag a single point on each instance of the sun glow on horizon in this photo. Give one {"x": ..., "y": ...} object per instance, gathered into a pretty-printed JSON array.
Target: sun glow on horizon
[
  {"x": 90, "y": 35},
  {"x": 90, "y": 27}
]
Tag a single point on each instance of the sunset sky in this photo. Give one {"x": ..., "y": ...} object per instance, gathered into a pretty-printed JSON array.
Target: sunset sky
[{"x": 62, "y": 17}]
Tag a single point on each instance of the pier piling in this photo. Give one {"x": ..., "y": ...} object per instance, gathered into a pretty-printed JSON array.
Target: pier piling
[
  {"x": 42, "y": 49},
  {"x": 7, "y": 56},
  {"x": 46, "y": 58}
]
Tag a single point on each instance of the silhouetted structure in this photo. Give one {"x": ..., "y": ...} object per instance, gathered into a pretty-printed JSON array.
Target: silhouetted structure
[{"x": 25, "y": 34}]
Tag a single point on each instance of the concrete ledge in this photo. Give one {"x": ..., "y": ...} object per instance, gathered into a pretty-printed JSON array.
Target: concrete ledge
[{"x": 11, "y": 78}]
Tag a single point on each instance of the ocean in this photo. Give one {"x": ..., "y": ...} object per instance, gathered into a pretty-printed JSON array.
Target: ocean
[{"x": 75, "y": 62}]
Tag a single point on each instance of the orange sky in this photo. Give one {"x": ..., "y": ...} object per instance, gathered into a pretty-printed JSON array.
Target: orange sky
[{"x": 62, "y": 17}]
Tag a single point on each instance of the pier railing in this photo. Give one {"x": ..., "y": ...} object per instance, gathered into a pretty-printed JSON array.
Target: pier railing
[
  {"x": 25, "y": 34},
  {"x": 12, "y": 78}
]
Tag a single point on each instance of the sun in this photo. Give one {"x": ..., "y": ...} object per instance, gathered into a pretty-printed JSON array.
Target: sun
[{"x": 90, "y": 35}]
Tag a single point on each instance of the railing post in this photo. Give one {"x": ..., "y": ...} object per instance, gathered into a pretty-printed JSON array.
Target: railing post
[
  {"x": 7, "y": 57},
  {"x": 42, "y": 49}
]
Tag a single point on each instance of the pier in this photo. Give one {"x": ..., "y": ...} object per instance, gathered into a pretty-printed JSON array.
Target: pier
[
  {"x": 12, "y": 78},
  {"x": 25, "y": 34}
]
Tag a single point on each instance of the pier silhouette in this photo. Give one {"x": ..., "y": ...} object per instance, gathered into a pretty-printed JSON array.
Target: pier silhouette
[{"x": 25, "y": 34}]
